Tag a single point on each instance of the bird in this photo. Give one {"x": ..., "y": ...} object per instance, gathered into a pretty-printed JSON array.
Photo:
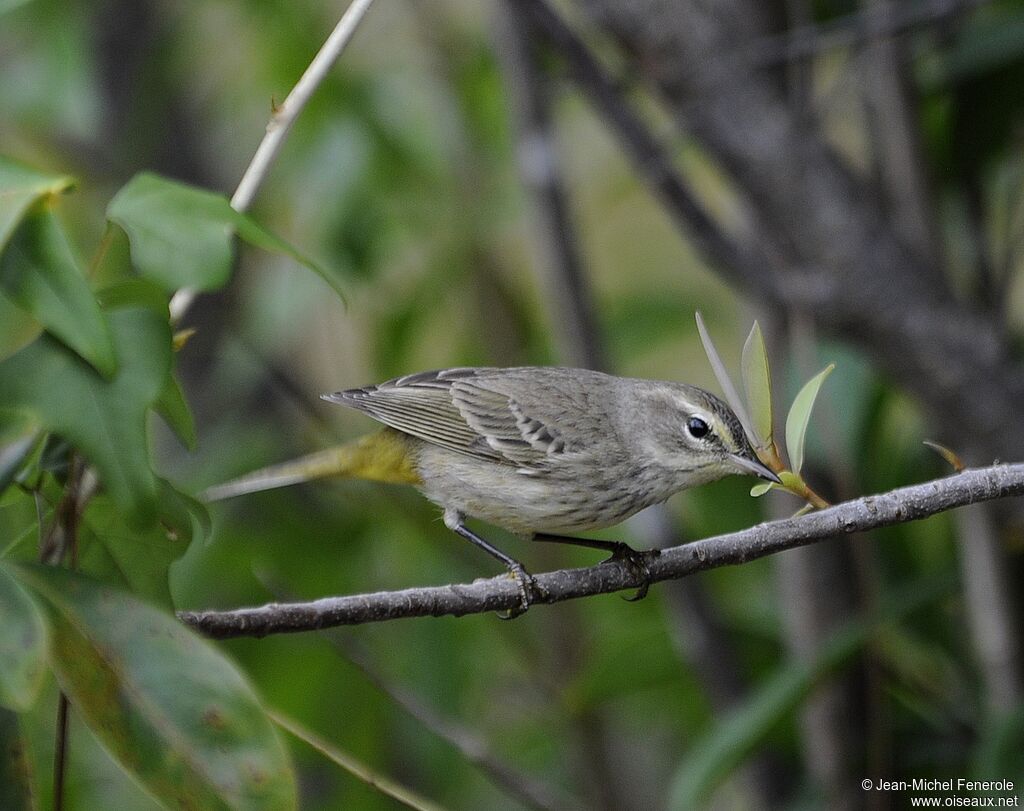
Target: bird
[{"x": 541, "y": 452}]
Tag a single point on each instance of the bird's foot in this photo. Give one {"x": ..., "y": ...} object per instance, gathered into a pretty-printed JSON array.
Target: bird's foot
[
  {"x": 636, "y": 560},
  {"x": 529, "y": 591}
]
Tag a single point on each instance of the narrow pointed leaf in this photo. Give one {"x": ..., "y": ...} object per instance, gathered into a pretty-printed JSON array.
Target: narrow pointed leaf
[
  {"x": 39, "y": 274},
  {"x": 255, "y": 234},
  {"x": 728, "y": 389},
  {"x": 173, "y": 407},
  {"x": 757, "y": 382},
  {"x": 737, "y": 734},
  {"x": 761, "y": 488},
  {"x": 23, "y": 645},
  {"x": 951, "y": 456},
  {"x": 169, "y": 707},
  {"x": 17, "y": 327},
  {"x": 800, "y": 416}
]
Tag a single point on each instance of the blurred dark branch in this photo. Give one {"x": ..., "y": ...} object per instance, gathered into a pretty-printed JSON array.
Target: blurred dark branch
[
  {"x": 899, "y": 162},
  {"x": 991, "y": 589},
  {"x": 502, "y": 593},
  {"x": 843, "y": 264},
  {"x": 568, "y": 298},
  {"x": 569, "y": 305},
  {"x": 873, "y": 22},
  {"x": 691, "y": 611},
  {"x": 651, "y": 159},
  {"x": 691, "y": 614}
]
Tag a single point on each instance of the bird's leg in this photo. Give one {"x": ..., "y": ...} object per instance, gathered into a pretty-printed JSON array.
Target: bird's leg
[
  {"x": 527, "y": 587},
  {"x": 636, "y": 559}
]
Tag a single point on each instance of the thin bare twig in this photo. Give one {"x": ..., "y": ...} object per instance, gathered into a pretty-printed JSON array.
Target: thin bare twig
[
  {"x": 385, "y": 785},
  {"x": 502, "y": 593},
  {"x": 60, "y": 753},
  {"x": 517, "y": 785},
  {"x": 281, "y": 123}
]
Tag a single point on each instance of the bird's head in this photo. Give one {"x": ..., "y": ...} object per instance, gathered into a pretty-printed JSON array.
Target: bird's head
[{"x": 693, "y": 434}]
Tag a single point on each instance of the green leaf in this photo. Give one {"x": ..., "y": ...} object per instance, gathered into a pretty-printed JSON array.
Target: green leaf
[
  {"x": 17, "y": 327},
  {"x": 757, "y": 382},
  {"x": 106, "y": 419},
  {"x": 791, "y": 481},
  {"x": 134, "y": 293},
  {"x": 165, "y": 703},
  {"x": 183, "y": 517},
  {"x": 140, "y": 559},
  {"x": 799, "y": 417},
  {"x": 998, "y": 752},
  {"x": 23, "y": 646},
  {"x": 173, "y": 407},
  {"x": 181, "y": 236},
  {"x": 739, "y": 733},
  {"x": 20, "y": 188},
  {"x": 39, "y": 274},
  {"x": 253, "y": 233},
  {"x": 742, "y": 730},
  {"x": 761, "y": 488}
]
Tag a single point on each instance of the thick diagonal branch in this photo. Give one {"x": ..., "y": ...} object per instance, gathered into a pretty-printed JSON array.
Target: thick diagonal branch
[
  {"x": 502, "y": 593},
  {"x": 831, "y": 253}
]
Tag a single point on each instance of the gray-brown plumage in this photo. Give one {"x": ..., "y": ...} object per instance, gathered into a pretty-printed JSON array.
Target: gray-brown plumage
[
  {"x": 539, "y": 451},
  {"x": 555, "y": 450}
]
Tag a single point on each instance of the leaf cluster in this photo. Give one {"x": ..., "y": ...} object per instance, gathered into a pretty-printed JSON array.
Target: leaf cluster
[
  {"x": 87, "y": 356},
  {"x": 757, "y": 415}
]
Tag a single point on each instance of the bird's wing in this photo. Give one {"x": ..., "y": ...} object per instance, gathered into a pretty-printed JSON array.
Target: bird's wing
[{"x": 512, "y": 416}]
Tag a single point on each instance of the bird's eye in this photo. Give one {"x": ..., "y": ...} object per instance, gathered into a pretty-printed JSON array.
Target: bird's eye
[{"x": 697, "y": 428}]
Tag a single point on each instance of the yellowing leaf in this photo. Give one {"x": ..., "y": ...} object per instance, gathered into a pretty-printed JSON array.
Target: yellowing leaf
[
  {"x": 169, "y": 706},
  {"x": 23, "y": 645},
  {"x": 951, "y": 456}
]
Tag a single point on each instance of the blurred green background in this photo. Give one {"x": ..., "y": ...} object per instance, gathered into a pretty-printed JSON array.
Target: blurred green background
[{"x": 402, "y": 175}]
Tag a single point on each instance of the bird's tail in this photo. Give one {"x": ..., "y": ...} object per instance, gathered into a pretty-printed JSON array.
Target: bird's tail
[{"x": 385, "y": 456}]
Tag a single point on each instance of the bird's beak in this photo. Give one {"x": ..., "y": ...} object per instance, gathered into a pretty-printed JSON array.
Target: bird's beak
[{"x": 754, "y": 467}]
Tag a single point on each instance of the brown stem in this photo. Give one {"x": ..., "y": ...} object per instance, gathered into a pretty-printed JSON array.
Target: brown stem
[
  {"x": 502, "y": 593},
  {"x": 60, "y": 751}
]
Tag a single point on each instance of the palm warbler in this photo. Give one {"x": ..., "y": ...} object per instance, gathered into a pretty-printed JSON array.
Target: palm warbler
[{"x": 537, "y": 451}]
